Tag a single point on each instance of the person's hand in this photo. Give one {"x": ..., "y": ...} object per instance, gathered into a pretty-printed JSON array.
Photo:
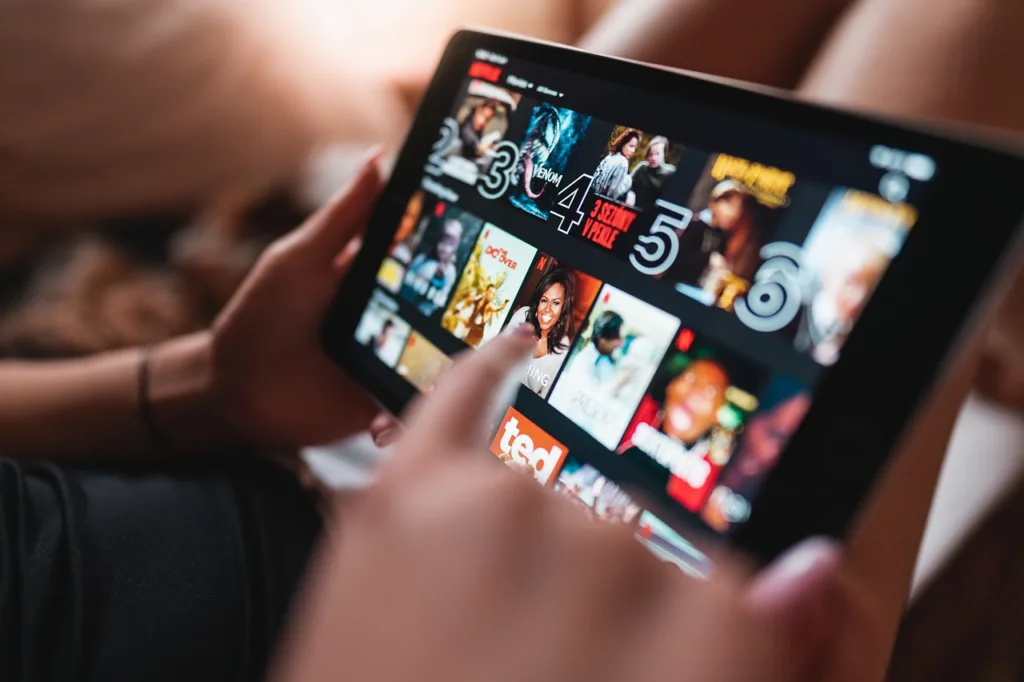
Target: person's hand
[
  {"x": 271, "y": 377},
  {"x": 385, "y": 430},
  {"x": 453, "y": 569}
]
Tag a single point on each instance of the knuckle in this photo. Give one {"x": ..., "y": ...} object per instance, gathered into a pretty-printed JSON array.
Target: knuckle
[
  {"x": 275, "y": 254},
  {"x": 612, "y": 556},
  {"x": 613, "y": 547}
]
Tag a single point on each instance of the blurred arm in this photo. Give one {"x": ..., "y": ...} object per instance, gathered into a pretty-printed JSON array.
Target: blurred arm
[{"x": 77, "y": 409}]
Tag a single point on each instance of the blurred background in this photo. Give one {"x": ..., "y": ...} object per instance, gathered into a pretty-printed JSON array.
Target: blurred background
[{"x": 149, "y": 149}]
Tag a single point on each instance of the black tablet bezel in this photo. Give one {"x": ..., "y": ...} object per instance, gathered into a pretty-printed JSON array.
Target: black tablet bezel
[{"x": 888, "y": 365}]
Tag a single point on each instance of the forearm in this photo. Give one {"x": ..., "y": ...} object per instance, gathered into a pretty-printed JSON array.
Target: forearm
[{"x": 90, "y": 408}]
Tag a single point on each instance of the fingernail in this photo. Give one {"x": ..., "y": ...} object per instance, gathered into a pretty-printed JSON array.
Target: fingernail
[
  {"x": 372, "y": 155},
  {"x": 345, "y": 256},
  {"x": 799, "y": 569},
  {"x": 519, "y": 467},
  {"x": 385, "y": 438}
]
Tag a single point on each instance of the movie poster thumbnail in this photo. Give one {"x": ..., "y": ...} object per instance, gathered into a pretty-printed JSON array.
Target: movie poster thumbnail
[
  {"x": 668, "y": 545},
  {"x": 612, "y": 361},
  {"x": 422, "y": 363},
  {"x": 552, "y": 139},
  {"x": 845, "y": 254},
  {"x": 691, "y": 415},
  {"x": 598, "y": 496},
  {"x": 635, "y": 167},
  {"x": 381, "y": 329},
  {"x": 554, "y": 301},
  {"x": 483, "y": 297},
  {"x": 519, "y": 441},
  {"x": 439, "y": 256},
  {"x": 782, "y": 409},
  {"x": 736, "y": 206},
  {"x": 481, "y": 117},
  {"x": 390, "y": 275},
  {"x": 411, "y": 227}
]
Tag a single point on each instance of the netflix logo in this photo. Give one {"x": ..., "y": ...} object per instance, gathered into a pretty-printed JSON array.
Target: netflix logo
[
  {"x": 606, "y": 222},
  {"x": 487, "y": 72}
]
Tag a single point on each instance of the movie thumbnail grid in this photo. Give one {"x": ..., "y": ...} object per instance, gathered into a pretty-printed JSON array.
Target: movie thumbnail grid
[
  {"x": 627, "y": 373},
  {"x": 518, "y": 440},
  {"x": 672, "y": 402},
  {"x": 733, "y": 242},
  {"x": 713, "y": 240},
  {"x": 632, "y": 376}
]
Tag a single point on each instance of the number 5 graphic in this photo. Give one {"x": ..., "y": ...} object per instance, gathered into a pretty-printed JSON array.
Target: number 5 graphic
[
  {"x": 773, "y": 300},
  {"x": 656, "y": 251}
]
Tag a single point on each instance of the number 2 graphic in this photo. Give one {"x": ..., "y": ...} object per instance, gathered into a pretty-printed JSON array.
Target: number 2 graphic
[{"x": 449, "y": 132}]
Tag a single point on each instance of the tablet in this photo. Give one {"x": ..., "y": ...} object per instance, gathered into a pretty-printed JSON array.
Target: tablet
[{"x": 739, "y": 300}]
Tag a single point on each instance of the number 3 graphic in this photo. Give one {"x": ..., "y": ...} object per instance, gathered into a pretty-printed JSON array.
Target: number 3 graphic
[{"x": 499, "y": 175}]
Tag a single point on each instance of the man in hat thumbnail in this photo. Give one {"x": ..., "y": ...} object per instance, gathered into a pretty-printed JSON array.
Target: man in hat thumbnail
[{"x": 723, "y": 238}]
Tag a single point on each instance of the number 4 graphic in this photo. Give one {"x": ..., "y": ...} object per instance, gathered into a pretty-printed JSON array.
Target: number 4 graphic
[{"x": 571, "y": 198}]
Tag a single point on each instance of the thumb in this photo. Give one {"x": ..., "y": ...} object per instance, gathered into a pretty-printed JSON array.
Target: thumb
[
  {"x": 332, "y": 228},
  {"x": 796, "y": 597}
]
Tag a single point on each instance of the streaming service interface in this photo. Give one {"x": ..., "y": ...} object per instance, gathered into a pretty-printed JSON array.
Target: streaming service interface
[{"x": 686, "y": 297}]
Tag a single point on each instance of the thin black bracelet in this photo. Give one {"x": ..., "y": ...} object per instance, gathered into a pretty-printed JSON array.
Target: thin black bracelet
[{"x": 160, "y": 441}]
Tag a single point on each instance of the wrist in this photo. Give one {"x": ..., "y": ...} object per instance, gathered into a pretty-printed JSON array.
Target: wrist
[{"x": 183, "y": 397}]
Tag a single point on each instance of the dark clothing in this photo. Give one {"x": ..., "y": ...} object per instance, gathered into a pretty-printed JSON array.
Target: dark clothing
[
  {"x": 698, "y": 241},
  {"x": 182, "y": 576},
  {"x": 647, "y": 182}
]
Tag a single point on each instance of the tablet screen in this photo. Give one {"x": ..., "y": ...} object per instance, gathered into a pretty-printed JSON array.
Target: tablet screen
[{"x": 690, "y": 275}]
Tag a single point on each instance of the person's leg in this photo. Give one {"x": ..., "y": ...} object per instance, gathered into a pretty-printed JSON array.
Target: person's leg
[
  {"x": 769, "y": 43},
  {"x": 148, "y": 576},
  {"x": 1001, "y": 375},
  {"x": 947, "y": 60}
]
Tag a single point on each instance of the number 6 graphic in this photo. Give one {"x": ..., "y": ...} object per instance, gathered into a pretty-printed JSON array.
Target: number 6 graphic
[{"x": 773, "y": 300}]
